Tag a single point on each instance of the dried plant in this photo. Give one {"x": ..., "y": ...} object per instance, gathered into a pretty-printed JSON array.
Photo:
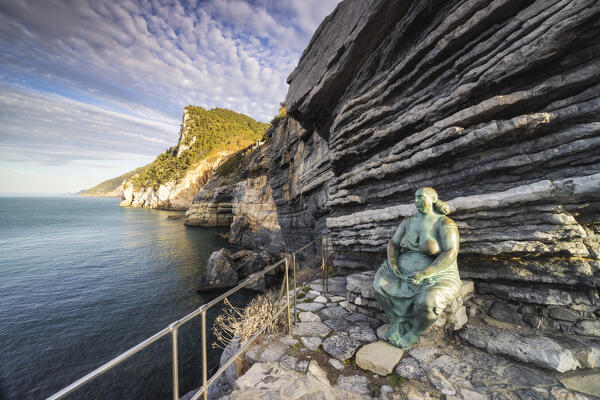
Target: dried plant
[{"x": 243, "y": 323}]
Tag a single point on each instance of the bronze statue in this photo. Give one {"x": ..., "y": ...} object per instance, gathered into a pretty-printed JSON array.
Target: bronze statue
[{"x": 420, "y": 276}]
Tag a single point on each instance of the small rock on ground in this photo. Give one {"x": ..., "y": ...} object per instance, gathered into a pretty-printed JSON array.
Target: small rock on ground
[
  {"x": 314, "y": 328},
  {"x": 409, "y": 369},
  {"x": 382, "y": 330},
  {"x": 340, "y": 346},
  {"x": 362, "y": 333},
  {"x": 354, "y": 384},
  {"x": 334, "y": 313},
  {"x": 336, "y": 364},
  {"x": 289, "y": 362},
  {"x": 337, "y": 324},
  {"x": 288, "y": 340},
  {"x": 307, "y": 316},
  {"x": 310, "y": 306},
  {"x": 302, "y": 366},
  {"x": 379, "y": 357},
  {"x": 438, "y": 380},
  {"x": 311, "y": 342}
]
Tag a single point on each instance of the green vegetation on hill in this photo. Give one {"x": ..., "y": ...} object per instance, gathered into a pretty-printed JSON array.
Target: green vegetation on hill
[
  {"x": 203, "y": 133},
  {"x": 108, "y": 186}
]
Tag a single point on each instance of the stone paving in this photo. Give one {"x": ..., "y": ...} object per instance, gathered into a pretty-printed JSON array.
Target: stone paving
[{"x": 336, "y": 352}]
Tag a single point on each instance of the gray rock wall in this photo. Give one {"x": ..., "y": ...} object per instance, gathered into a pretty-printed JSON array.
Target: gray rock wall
[
  {"x": 255, "y": 222},
  {"x": 243, "y": 201},
  {"x": 211, "y": 207},
  {"x": 496, "y": 104}
]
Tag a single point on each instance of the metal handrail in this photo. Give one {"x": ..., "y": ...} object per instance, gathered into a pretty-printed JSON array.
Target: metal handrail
[{"x": 174, "y": 326}]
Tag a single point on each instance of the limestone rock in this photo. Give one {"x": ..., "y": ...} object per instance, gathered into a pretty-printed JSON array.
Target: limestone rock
[
  {"x": 337, "y": 324},
  {"x": 310, "y": 306},
  {"x": 361, "y": 283},
  {"x": 311, "y": 342},
  {"x": 558, "y": 353},
  {"x": 336, "y": 364},
  {"x": 437, "y": 379},
  {"x": 357, "y": 384},
  {"x": 379, "y": 357},
  {"x": 302, "y": 366},
  {"x": 173, "y": 195},
  {"x": 382, "y": 331},
  {"x": 362, "y": 333},
  {"x": 588, "y": 327},
  {"x": 588, "y": 383},
  {"x": 219, "y": 272},
  {"x": 314, "y": 328},
  {"x": 315, "y": 370},
  {"x": 340, "y": 346},
  {"x": 409, "y": 368},
  {"x": 288, "y": 362},
  {"x": 563, "y": 313},
  {"x": 320, "y": 299},
  {"x": 334, "y": 313},
  {"x": 307, "y": 316}
]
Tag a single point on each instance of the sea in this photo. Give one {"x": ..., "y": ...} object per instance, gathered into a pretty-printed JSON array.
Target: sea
[{"x": 83, "y": 280}]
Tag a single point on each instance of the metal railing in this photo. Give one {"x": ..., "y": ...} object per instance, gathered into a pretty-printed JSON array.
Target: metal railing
[{"x": 173, "y": 327}]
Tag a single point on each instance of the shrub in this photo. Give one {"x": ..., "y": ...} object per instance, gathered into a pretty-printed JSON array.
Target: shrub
[{"x": 243, "y": 323}]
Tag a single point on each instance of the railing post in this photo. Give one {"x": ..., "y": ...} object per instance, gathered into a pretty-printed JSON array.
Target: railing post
[
  {"x": 203, "y": 319},
  {"x": 324, "y": 265},
  {"x": 175, "y": 363},
  {"x": 295, "y": 290},
  {"x": 287, "y": 291}
]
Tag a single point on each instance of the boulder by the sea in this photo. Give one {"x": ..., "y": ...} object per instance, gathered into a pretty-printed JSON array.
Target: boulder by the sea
[{"x": 220, "y": 272}]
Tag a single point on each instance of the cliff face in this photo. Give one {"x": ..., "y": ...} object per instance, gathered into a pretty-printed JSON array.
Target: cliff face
[
  {"x": 206, "y": 139},
  {"x": 173, "y": 195},
  {"x": 239, "y": 194},
  {"x": 495, "y": 104}
]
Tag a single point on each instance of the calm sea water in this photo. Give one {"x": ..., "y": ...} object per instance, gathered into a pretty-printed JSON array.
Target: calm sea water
[{"x": 82, "y": 280}]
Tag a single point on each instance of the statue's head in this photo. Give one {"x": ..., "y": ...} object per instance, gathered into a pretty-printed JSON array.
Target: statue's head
[{"x": 426, "y": 200}]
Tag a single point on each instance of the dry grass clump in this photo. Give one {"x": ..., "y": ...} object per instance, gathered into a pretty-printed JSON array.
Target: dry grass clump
[{"x": 242, "y": 323}]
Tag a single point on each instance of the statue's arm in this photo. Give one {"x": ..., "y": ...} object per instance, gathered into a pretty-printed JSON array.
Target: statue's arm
[
  {"x": 394, "y": 244},
  {"x": 448, "y": 234}
]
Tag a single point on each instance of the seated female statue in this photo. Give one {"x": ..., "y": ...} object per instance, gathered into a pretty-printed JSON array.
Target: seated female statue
[{"x": 420, "y": 276}]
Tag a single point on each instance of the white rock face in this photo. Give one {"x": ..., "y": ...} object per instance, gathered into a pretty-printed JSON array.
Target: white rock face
[{"x": 171, "y": 195}]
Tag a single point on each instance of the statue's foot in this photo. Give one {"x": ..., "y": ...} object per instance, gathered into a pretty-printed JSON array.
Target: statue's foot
[
  {"x": 402, "y": 340},
  {"x": 401, "y": 335}
]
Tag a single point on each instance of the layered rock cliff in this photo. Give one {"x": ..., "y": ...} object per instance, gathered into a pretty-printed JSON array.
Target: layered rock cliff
[
  {"x": 174, "y": 194},
  {"x": 207, "y": 138},
  {"x": 239, "y": 195},
  {"x": 496, "y": 104}
]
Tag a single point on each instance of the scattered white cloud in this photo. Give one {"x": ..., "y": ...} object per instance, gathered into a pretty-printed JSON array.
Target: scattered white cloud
[{"x": 101, "y": 76}]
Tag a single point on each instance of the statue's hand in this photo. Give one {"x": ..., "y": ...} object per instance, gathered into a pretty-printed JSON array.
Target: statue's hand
[{"x": 420, "y": 275}]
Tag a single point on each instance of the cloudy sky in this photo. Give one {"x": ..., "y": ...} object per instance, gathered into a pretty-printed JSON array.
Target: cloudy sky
[{"x": 90, "y": 89}]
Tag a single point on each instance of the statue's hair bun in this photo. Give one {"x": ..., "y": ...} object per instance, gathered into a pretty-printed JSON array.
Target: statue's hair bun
[{"x": 442, "y": 207}]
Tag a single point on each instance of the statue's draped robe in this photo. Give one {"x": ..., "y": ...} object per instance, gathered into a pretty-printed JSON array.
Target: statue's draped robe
[{"x": 402, "y": 299}]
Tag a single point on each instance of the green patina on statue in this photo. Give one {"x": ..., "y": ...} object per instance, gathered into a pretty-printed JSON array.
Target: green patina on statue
[{"x": 420, "y": 276}]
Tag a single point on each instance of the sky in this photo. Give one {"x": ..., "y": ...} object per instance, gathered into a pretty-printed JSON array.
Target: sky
[{"x": 91, "y": 89}]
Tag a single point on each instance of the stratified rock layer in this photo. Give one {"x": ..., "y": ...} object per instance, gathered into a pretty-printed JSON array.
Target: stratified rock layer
[
  {"x": 243, "y": 201},
  {"x": 495, "y": 104}
]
